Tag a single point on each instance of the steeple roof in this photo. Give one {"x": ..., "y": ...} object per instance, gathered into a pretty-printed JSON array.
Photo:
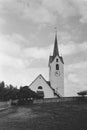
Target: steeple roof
[{"x": 56, "y": 50}]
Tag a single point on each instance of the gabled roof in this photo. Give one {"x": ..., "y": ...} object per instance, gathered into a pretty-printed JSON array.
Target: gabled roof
[
  {"x": 61, "y": 58},
  {"x": 51, "y": 58},
  {"x": 48, "y": 82},
  {"x": 42, "y": 78}
]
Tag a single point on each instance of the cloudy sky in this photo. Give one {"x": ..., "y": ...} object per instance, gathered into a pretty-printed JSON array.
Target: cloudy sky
[{"x": 27, "y": 37}]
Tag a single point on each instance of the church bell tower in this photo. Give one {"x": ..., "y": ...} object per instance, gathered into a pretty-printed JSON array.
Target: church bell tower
[{"x": 56, "y": 70}]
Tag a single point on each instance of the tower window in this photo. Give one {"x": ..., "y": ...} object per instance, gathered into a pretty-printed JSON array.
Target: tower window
[
  {"x": 57, "y": 67},
  {"x": 56, "y": 60}
]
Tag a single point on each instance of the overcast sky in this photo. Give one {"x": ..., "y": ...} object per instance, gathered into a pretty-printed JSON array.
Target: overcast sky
[{"x": 27, "y": 37}]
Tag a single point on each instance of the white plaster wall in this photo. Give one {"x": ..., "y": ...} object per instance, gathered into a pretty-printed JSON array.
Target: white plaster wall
[
  {"x": 48, "y": 93},
  {"x": 57, "y": 82}
]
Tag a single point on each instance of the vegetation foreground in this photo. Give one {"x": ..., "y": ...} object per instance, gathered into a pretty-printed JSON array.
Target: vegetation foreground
[{"x": 49, "y": 116}]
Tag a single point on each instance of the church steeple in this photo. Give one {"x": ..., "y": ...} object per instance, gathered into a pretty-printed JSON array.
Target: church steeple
[
  {"x": 56, "y": 50},
  {"x": 56, "y": 70}
]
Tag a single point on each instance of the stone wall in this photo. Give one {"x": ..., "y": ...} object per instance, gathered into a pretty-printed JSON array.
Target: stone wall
[{"x": 63, "y": 99}]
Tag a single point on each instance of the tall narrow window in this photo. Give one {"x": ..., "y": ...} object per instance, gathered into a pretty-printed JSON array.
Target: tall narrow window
[
  {"x": 57, "y": 67},
  {"x": 56, "y": 60}
]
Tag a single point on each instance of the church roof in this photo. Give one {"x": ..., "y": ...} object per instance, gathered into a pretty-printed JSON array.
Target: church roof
[
  {"x": 51, "y": 58},
  {"x": 47, "y": 82},
  {"x": 55, "y": 51},
  {"x": 61, "y": 58}
]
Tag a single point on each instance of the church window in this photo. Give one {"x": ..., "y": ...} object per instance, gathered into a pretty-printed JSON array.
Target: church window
[
  {"x": 57, "y": 67},
  {"x": 56, "y": 60},
  {"x": 40, "y": 87}
]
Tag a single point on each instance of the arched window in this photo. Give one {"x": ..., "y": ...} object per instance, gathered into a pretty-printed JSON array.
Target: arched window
[
  {"x": 40, "y": 87},
  {"x": 57, "y": 67}
]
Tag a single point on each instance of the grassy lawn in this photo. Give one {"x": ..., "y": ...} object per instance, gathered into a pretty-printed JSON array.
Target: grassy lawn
[{"x": 51, "y": 116}]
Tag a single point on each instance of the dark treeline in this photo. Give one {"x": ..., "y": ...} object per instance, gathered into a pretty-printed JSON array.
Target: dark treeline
[{"x": 8, "y": 92}]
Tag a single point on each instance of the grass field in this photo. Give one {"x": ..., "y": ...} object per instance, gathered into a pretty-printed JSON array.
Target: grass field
[{"x": 51, "y": 116}]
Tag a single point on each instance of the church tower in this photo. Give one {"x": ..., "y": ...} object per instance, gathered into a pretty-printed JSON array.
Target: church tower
[{"x": 56, "y": 70}]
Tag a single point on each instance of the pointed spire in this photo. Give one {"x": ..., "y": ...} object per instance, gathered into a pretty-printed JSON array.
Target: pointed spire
[{"x": 55, "y": 51}]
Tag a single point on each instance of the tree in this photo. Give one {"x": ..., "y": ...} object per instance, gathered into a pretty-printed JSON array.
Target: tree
[
  {"x": 2, "y": 88},
  {"x": 10, "y": 92},
  {"x": 25, "y": 93}
]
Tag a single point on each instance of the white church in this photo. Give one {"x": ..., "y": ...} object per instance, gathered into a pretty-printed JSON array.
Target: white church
[{"x": 55, "y": 86}]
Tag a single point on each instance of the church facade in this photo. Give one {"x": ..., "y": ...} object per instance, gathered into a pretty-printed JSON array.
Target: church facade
[{"x": 55, "y": 86}]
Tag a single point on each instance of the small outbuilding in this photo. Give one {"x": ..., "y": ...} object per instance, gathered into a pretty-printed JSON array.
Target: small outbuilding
[{"x": 82, "y": 93}]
